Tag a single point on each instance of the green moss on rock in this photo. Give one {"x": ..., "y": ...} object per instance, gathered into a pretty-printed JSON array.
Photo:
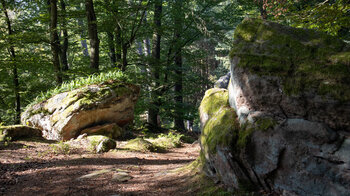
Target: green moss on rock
[
  {"x": 221, "y": 129},
  {"x": 140, "y": 144},
  {"x": 302, "y": 58},
  {"x": 213, "y": 99},
  {"x": 100, "y": 143}
]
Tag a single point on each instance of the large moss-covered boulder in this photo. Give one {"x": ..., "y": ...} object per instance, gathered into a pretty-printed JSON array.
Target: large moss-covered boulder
[
  {"x": 288, "y": 129},
  {"x": 65, "y": 115},
  {"x": 290, "y": 73}
]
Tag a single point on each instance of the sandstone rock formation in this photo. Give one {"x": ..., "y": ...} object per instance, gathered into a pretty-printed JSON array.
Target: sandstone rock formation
[
  {"x": 288, "y": 128},
  {"x": 65, "y": 115}
]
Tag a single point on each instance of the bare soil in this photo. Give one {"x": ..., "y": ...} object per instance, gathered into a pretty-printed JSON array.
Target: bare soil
[{"x": 32, "y": 168}]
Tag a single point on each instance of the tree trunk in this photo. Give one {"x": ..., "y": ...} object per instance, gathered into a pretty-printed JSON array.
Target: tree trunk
[
  {"x": 155, "y": 65},
  {"x": 125, "y": 54},
  {"x": 262, "y": 8},
  {"x": 64, "y": 58},
  {"x": 92, "y": 30},
  {"x": 118, "y": 41},
  {"x": 54, "y": 41},
  {"x": 111, "y": 47},
  {"x": 17, "y": 102},
  {"x": 179, "y": 122}
]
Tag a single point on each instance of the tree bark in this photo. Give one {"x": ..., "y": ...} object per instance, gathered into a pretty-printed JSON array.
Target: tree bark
[
  {"x": 118, "y": 41},
  {"x": 64, "y": 57},
  {"x": 262, "y": 9},
  {"x": 17, "y": 102},
  {"x": 93, "y": 36},
  {"x": 111, "y": 47},
  {"x": 125, "y": 57},
  {"x": 179, "y": 122},
  {"x": 155, "y": 65},
  {"x": 54, "y": 41}
]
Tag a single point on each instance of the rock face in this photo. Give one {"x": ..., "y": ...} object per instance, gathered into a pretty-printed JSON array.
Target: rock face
[
  {"x": 223, "y": 81},
  {"x": 288, "y": 128},
  {"x": 65, "y": 115}
]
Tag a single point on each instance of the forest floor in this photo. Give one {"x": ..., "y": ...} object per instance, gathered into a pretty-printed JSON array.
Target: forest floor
[{"x": 30, "y": 167}]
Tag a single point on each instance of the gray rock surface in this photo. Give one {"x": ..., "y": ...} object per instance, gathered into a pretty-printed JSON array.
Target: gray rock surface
[
  {"x": 293, "y": 111},
  {"x": 223, "y": 81}
]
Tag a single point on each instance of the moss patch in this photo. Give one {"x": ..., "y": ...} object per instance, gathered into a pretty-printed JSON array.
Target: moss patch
[
  {"x": 213, "y": 99},
  {"x": 302, "y": 58},
  {"x": 140, "y": 144},
  {"x": 100, "y": 143},
  {"x": 221, "y": 129},
  {"x": 166, "y": 141}
]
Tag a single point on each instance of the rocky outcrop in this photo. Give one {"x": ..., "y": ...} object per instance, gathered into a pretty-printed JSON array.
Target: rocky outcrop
[
  {"x": 15, "y": 132},
  {"x": 66, "y": 115},
  {"x": 287, "y": 129}
]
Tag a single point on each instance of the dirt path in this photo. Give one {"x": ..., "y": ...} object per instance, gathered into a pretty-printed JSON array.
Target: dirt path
[{"x": 31, "y": 168}]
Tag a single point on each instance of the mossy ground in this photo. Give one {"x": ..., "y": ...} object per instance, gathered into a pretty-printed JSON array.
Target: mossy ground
[{"x": 303, "y": 59}]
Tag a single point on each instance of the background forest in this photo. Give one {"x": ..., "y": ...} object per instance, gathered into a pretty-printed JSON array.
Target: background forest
[{"x": 174, "y": 49}]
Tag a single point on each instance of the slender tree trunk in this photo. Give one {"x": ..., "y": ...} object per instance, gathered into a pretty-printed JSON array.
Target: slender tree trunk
[
  {"x": 262, "y": 8},
  {"x": 179, "y": 122},
  {"x": 14, "y": 66},
  {"x": 111, "y": 47},
  {"x": 155, "y": 64},
  {"x": 125, "y": 54},
  {"x": 54, "y": 41},
  {"x": 64, "y": 57},
  {"x": 92, "y": 30},
  {"x": 118, "y": 41}
]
